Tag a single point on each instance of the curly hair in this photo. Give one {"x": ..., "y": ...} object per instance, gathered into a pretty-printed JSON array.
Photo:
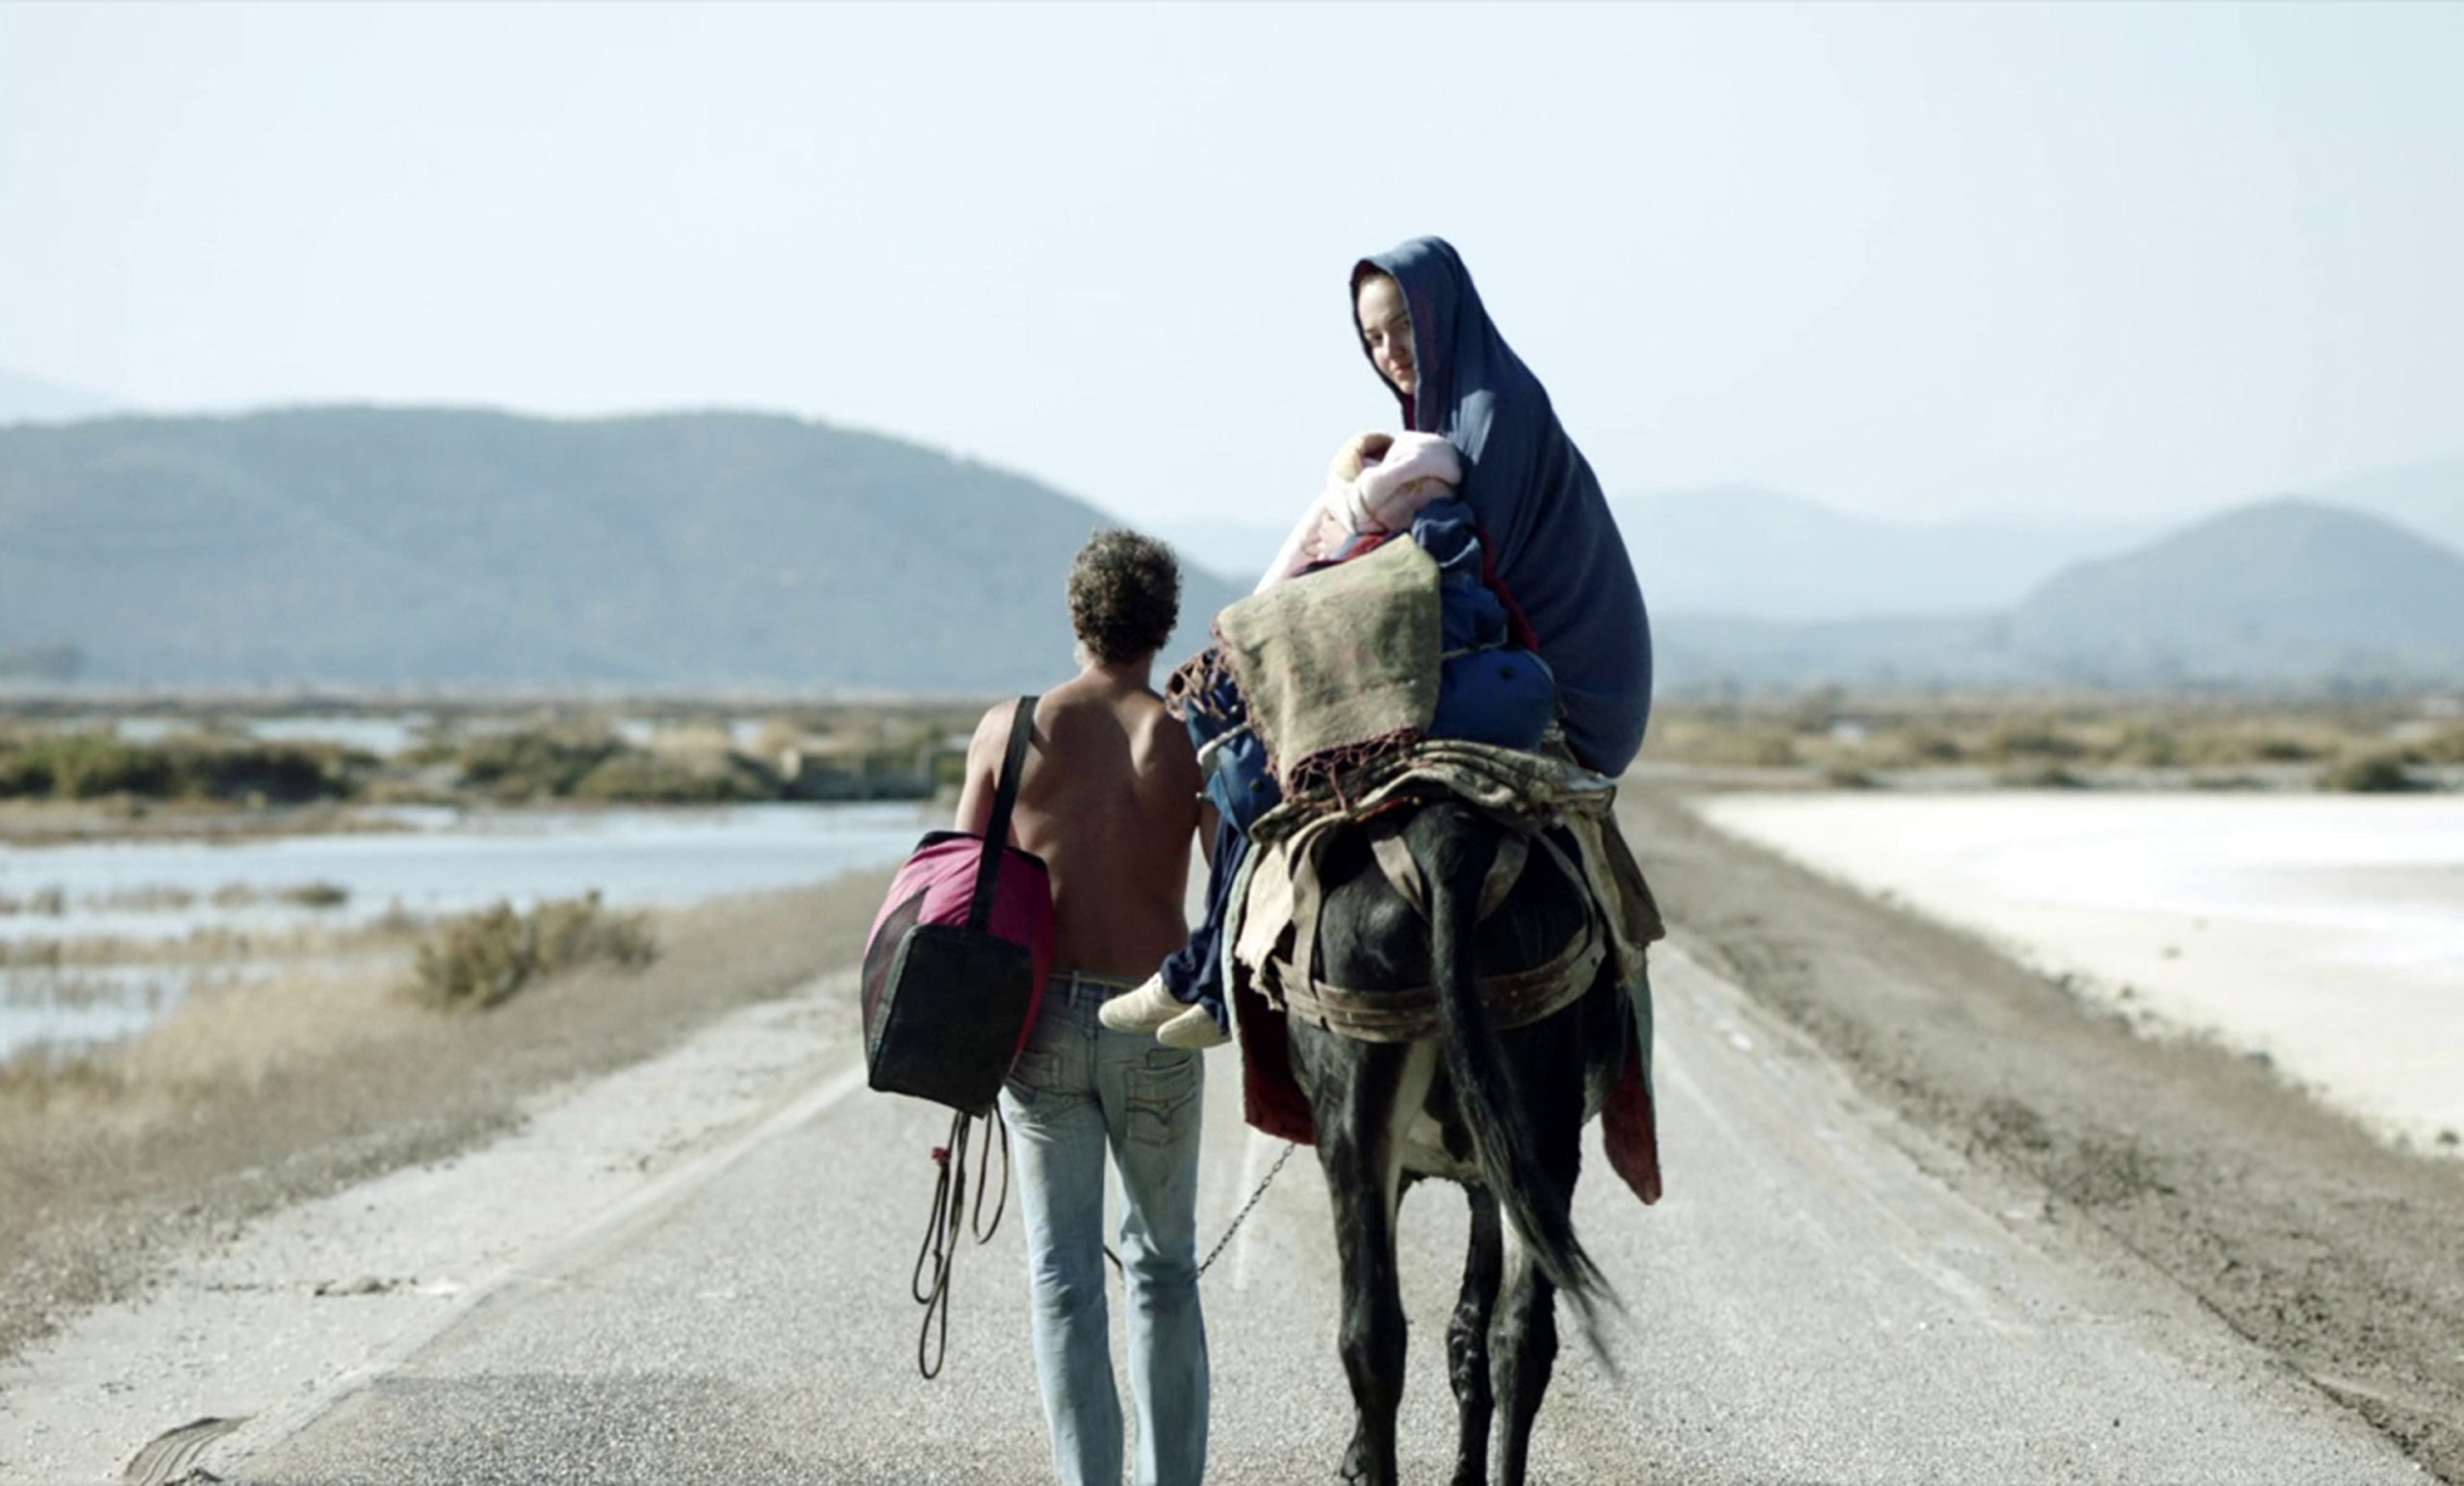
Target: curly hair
[{"x": 1124, "y": 596}]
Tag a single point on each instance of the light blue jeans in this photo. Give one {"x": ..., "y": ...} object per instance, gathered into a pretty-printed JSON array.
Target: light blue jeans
[{"x": 1078, "y": 1090}]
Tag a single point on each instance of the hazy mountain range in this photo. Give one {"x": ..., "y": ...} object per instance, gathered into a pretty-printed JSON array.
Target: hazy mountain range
[
  {"x": 1744, "y": 553},
  {"x": 390, "y": 547},
  {"x": 2282, "y": 594},
  {"x": 2427, "y": 496},
  {"x": 32, "y": 399},
  {"x": 396, "y": 546}
]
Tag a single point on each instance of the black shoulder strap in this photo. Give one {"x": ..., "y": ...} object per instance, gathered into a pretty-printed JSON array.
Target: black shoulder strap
[{"x": 996, "y": 832}]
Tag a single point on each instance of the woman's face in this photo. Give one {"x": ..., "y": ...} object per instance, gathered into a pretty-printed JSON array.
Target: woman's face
[{"x": 1386, "y": 328}]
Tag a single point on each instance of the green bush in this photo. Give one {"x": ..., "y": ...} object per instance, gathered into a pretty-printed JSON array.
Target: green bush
[
  {"x": 94, "y": 766},
  {"x": 2283, "y": 750},
  {"x": 2149, "y": 746},
  {"x": 2015, "y": 741},
  {"x": 480, "y": 959},
  {"x": 2445, "y": 746},
  {"x": 287, "y": 774},
  {"x": 2043, "y": 776},
  {"x": 2371, "y": 773},
  {"x": 81, "y": 766},
  {"x": 534, "y": 764},
  {"x": 634, "y": 778}
]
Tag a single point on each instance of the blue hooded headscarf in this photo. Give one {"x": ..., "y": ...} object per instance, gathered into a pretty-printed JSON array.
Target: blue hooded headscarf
[{"x": 1535, "y": 499}]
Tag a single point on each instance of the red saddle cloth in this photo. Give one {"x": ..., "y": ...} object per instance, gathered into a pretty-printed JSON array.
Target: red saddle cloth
[{"x": 1270, "y": 1097}]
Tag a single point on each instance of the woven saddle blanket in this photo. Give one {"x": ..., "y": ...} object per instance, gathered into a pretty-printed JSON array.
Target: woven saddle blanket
[
  {"x": 1531, "y": 792},
  {"x": 1272, "y": 933}
]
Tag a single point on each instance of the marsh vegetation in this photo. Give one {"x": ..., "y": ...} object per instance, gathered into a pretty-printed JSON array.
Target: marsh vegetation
[
  {"x": 163, "y": 766},
  {"x": 1843, "y": 740}
]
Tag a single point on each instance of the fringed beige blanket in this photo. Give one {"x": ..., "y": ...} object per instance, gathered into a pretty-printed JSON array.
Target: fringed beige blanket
[{"x": 1339, "y": 664}]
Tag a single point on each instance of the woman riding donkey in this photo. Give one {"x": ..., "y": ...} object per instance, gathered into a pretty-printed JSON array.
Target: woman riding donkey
[{"x": 1481, "y": 429}]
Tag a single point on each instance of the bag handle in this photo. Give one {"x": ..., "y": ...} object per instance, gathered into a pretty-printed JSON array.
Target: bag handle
[{"x": 996, "y": 832}]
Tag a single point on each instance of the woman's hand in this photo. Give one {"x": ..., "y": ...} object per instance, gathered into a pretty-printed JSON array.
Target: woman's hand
[
  {"x": 1358, "y": 454},
  {"x": 1333, "y": 531}
]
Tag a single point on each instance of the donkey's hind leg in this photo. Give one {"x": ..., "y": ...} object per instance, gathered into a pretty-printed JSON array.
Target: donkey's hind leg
[
  {"x": 1466, "y": 1339},
  {"x": 1523, "y": 1335},
  {"x": 1523, "y": 1353},
  {"x": 1358, "y": 1151}
]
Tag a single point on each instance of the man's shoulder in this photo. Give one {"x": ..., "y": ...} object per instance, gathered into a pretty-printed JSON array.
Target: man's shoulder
[
  {"x": 1163, "y": 742},
  {"x": 994, "y": 726},
  {"x": 1067, "y": 708}
]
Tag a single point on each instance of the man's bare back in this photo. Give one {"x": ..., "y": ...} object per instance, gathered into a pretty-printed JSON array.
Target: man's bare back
[{"x": 1111, "y": 801}]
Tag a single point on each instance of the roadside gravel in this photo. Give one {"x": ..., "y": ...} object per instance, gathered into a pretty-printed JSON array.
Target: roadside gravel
[
  {"x": 108, "y": 1181},
  {"x": 2341, "y": 1256}
]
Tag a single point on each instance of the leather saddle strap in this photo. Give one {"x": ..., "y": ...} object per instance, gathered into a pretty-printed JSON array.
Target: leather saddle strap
[
  {"x": 1510, "y": 1000},
  {"x": 1395, "y": 861},
  {"x": 1308, "y": 901},
  {"x": 1514, "y": 998}
]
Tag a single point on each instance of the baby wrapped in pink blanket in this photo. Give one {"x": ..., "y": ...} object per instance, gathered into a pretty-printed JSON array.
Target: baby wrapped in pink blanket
[{"x": 1376, "y": 484}]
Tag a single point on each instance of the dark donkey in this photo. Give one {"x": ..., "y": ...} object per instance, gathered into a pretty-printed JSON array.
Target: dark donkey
[{"x": 1503, "y": 1113}]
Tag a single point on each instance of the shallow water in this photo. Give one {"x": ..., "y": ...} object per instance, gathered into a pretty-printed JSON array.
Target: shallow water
[
  {"x": 442, "y": 861},
  {"x": 448, "y": 862},
  {"x": 2325, "y": 931}
]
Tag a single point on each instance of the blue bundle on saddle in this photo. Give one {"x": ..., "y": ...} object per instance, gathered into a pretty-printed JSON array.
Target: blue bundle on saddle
[
  {"x": 1230, "y": 753},
  {"x": 1490, "y": 690}
]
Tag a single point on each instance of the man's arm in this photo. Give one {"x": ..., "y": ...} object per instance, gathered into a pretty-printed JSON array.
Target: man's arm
[{"x": 984, "y": 755}]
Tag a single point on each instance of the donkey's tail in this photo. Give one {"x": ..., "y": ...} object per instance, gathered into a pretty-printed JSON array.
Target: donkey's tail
[{"x": 1503, "y": 1141}]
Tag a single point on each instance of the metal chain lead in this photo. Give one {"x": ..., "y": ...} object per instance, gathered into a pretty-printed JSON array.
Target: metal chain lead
[
  {"x": 1246, "y": 1207},
  {"x": 1237, "y": 1219}
]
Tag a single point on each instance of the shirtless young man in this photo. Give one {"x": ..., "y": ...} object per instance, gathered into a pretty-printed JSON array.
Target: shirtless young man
[{"x": 1110, "y": 800}]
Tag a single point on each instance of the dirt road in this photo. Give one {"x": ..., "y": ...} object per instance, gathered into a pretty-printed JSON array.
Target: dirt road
[{"x": 1929, "y": 1219}]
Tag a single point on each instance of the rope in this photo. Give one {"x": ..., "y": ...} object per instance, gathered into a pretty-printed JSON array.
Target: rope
[
  {"x": 943, "y": 1226},
  {"x": 950, "y": 1220}
]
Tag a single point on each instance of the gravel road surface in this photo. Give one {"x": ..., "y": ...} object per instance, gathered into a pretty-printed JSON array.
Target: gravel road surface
[{"x": 696, "y": 1270}]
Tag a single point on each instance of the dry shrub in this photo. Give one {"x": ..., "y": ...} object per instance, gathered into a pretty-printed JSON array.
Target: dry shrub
[
  {"x": 2379, "y": 773},
  {"x": 538, "y": 763},
  {"x": 480, "y": 959},
  {"x": 1916, "y": 747},
  {"x": 673, "y": 779},
  {"x": 92, "y": 766},
  {"x": 2040, "y": 776},
  {"x": 2148, "y": 745},
  {"x": 229, "y": 1039},
  {"x": 315, "y": 895},
  {"x": 2031, "y": 739},
  {"x": 240, "y": 1034},
  {"x": 1723, "y": 738},
  {"x": 2445, "y": 746}
]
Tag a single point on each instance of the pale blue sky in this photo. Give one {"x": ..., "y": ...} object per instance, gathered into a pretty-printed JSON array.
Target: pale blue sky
[{"x": 1913, "y": 261}]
